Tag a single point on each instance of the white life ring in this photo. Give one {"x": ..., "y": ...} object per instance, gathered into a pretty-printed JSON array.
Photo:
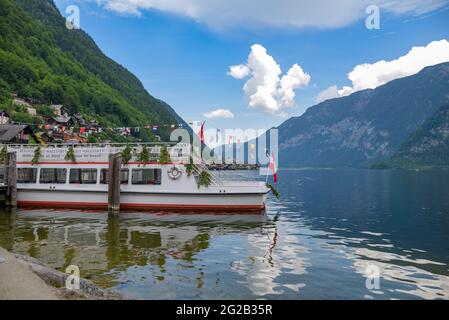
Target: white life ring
[{"x": 174, "y": 173}]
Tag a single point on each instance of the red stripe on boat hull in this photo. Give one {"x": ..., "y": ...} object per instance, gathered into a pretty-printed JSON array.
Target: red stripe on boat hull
[{"x": 146, "y": 207}]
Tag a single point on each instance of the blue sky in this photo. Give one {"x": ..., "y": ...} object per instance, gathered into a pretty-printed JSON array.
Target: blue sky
[{"x": 184, "y": 58}]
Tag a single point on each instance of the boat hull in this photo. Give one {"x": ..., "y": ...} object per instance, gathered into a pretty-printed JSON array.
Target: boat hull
[{"x": 98, "y": 200}]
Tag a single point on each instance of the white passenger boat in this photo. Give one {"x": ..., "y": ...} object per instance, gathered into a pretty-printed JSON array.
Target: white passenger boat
[{"x": 54, "y": 182}]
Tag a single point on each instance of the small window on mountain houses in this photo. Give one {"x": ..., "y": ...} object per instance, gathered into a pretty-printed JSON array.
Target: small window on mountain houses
[
  {"x": 26, "y": 175},
  {"x": 83, "y": 176},
  {"x": 52, "y": 175},
  {"x": 146, "y": 176},
  {"x": 104, "y": 176}
]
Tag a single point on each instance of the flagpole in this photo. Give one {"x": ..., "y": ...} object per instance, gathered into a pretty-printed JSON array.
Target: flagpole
[{"x": 268, "y": 170}]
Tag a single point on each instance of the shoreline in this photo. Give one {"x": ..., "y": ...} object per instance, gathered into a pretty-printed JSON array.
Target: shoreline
[{"x": 26, "y": 278}]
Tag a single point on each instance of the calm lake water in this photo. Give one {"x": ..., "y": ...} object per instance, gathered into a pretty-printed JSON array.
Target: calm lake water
[{"x": 319, "y": 241}]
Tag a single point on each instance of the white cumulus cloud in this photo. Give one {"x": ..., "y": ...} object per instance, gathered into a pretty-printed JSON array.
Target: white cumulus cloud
[
  {"x": 239, "y": 72},
  {"x": 265, "y": 89},
  {"x": 329, "y": 93},
  {"x": 294, "y": 79},
  {"x": 219, "y": 114},
  {"x": 372, "y": 75},
  {"x": 279, "y": 13}
]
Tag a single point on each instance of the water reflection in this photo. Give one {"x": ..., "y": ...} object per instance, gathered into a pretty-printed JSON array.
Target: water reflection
[
  {"x": 315, "y": 243},
  {"x": 395, "y": 220},
  {"x": 404, "y": 275},
  {"x": 136, "y": 252}
]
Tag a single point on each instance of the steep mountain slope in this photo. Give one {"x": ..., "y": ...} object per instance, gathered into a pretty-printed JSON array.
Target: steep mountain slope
[
  {"x": 365, "y": 127},
  {"x": 428, "y": 145},
  {"x": 41, "y": 58}
]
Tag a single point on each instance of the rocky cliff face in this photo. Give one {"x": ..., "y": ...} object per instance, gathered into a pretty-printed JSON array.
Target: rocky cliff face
[
  {"x": 365, "y": 127},
  {"x": 428, "y": 145}
]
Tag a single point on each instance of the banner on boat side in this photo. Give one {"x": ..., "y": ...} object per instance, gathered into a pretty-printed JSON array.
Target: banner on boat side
[{"x": 58, "y": 154}]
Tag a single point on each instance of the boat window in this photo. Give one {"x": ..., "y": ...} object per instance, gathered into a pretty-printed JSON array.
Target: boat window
[
  {"x": 104, "y": 177},
  {"x": 26, "y": 175},
  {"x": 52, "y": 175},
  {"x": 83, "y": 176},
  {"x": 146, "y": 176}
]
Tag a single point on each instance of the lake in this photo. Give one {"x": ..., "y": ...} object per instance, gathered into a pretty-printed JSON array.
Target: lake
[{"x": 328, "y": 237}]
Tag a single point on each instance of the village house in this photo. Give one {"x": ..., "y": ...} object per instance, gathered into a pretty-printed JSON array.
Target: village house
[
  {"x": 42, "y": 137},
  {"x": 78, "y": 119},
  {"x": 31, "y": 111},
  {"x": 21, "y": 102},
  {"x": 32, "y": 101},
  {"x": 64, "y": 121},
  {"x": 14, "y": 133},
  {"x": 74, "y": 138},
  {"x": 49, "y": 136},
  {"x": 58, "y": 109},
  {"x": 5, "y": 118},
  {"x": 93, "y": 124}
]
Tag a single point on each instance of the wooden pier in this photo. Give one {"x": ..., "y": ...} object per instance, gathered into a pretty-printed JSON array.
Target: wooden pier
[
  {"x": 8, "y": 189},
  {"x": 115, "y": 164},
  {"x": 2, "y": 194}
]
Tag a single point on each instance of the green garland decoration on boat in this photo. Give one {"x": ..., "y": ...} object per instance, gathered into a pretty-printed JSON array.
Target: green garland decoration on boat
[
  {"x": 144, "y": 155},
  {"x": 37, "y": 155},
  {"x": 3, "y": 153},
  {"x": 70, "y": 155},
  {"x": 204, "y": 179},
  {"x": 190, "y": 167},
  {"x": 273, "y": 190},
  {"x": 126, "y": 154},
  {"x": 165, "y": 155}
]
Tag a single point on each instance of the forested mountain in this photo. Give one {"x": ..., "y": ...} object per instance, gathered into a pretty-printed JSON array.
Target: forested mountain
[
  {"x": 40, "y": 58},
  {"x": 366, "y": 127},
  {"x": 428, "y": 145}
]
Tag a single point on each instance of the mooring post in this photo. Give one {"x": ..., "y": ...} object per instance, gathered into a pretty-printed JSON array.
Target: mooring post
[
  {"x": 11, "y": 180},
  {"x": 115, "y": 164}
]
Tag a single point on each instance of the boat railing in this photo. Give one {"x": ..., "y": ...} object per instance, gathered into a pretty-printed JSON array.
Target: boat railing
[
  {"x": 214, "y": 178},
  {"x": 98, "y": 145},
  {"x": 201, "y": 166}
]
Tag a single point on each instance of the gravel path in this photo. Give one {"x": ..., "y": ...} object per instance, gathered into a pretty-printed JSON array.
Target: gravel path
[{"x": 18, "y": 282}]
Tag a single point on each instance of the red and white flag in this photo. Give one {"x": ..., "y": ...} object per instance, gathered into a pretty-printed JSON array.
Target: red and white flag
[
  {"x": 272, "y": 167},
  {"x": 202, "y": 133}
]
